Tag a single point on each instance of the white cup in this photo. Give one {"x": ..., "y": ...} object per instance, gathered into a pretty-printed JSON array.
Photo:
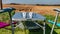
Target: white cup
[
  {"x": 24, "y": 14},
  {"x": 30, "y": 14}
]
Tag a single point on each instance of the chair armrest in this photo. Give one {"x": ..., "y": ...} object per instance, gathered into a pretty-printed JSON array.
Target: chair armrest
[
  {"x": 7, "y": 10},
  {"x": 56, "y": 9}
]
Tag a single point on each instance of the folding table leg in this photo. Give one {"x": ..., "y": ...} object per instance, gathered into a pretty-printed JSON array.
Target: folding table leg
[{"x": 44, "y": 28}]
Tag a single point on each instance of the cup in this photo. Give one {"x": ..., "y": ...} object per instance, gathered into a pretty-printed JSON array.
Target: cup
[
  {"x": 30, "y": 14},
  {"x": 24, "y": 14}
]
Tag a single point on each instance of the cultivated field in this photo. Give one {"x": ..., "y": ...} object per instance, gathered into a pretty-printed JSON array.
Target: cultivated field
[{"x": 37, "y": 9}]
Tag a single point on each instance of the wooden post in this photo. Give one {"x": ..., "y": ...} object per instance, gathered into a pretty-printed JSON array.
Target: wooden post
[{"x": 0, "y": 4}]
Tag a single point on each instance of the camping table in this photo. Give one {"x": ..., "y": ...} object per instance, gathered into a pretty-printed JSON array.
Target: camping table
[{"x": 18, "y": 17}]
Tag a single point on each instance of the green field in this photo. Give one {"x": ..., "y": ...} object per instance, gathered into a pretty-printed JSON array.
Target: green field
[{"x": 4, "y": 17}]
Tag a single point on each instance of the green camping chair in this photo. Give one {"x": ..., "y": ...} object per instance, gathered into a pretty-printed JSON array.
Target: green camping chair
[
  {"x": 3, "y": 24},
  {"x": 55, "y": 21}
]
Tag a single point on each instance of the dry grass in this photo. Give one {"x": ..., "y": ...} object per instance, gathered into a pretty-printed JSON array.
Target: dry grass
[{"x": 38, "y": 9}]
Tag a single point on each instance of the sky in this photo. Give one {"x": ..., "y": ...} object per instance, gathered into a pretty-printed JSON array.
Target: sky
[{"x": 32, "y": 1}]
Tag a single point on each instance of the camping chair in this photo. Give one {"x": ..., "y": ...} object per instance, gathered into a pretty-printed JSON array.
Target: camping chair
[
  {"x": 55, "y": 22},
  {"x": 3, "y": 24}
]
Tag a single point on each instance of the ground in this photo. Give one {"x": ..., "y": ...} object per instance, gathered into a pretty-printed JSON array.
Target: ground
[{"x": 44, "y": 10}]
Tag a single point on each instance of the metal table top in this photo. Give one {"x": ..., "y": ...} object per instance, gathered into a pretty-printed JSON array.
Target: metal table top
[{"x": 18, "y": 17}]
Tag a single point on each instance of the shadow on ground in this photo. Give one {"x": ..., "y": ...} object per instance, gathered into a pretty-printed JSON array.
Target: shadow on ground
[{"x": 40, "y": 31}]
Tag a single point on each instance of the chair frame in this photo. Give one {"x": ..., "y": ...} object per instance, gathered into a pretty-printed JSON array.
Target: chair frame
[
  {"x": 9, "y": 11},
  {"x": 58, "y": 12}
]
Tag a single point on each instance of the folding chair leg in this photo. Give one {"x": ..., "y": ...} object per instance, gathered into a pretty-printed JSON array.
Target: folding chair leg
[
  {"x": 13, "y": 30},
  {"x": 54, "y": 23},
  {"x": 12, "y": 25}
]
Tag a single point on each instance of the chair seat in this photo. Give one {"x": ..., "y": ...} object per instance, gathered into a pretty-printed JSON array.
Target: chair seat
[
  {"x": 58, "y": 24},
  {"x": 4, "y": 24}
]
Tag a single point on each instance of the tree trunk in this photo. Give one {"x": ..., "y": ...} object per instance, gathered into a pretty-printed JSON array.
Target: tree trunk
[{"x": 0, "y": 4}]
